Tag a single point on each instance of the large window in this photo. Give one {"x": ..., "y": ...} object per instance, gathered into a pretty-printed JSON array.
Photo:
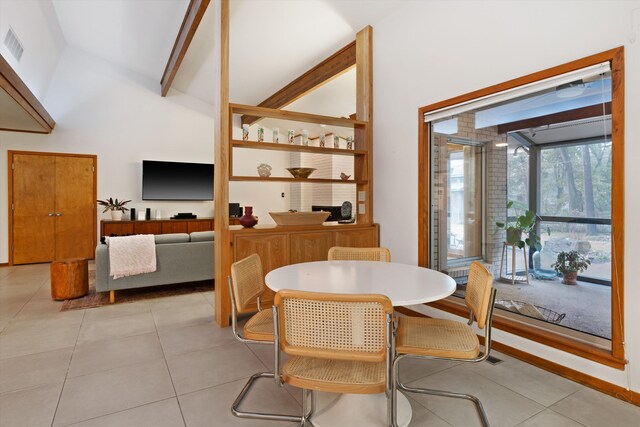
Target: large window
[{"x": 548, "y": 145}]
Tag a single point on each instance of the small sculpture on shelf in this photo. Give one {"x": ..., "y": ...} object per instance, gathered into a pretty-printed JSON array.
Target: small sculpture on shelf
[
  {"x": 349, "y": 143},
  {"x": 336, "y": 141},
  {"x": 322, "y": 138},
  {"x": 305, "y": 137},
  {"x": 344, "y": 176},
  {"x": 264, "y": 170},
  {"x": 245, "y": 132},
  {"x": 260, "y": 134},
  {"x": 290, "y": 136},
  {"x": 276, "y": 136}
]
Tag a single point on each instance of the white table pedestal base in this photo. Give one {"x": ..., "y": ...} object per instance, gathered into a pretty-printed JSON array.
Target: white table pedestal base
[{"x": 357, "y": 410}]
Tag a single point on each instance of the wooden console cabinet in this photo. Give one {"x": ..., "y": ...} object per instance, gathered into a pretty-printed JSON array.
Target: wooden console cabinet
[
  {"x": 279, "y": 246},
  {"x": 156, "y": 226}
]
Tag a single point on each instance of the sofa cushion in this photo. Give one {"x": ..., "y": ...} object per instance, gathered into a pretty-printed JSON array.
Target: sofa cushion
[
  {"x": 202, "y": 236},
  {"x": 171, "y": 238}
]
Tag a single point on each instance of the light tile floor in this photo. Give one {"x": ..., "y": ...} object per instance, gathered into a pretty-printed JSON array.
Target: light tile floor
[{"x": 164, "y": 362}]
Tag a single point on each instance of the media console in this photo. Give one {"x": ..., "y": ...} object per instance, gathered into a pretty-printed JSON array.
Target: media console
[{"x": 157, "y": 226}]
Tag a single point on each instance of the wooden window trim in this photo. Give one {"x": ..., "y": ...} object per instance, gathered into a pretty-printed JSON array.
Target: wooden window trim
[{"x": 615, "y": 357}]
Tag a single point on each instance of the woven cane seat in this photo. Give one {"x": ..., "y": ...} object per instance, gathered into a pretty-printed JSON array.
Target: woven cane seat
[
  {"x": 338, "y": 253},
  {"x": 337, "y": 376},
  {"x": 260, "y": 326},
  {"x": 436, "y": 337}
]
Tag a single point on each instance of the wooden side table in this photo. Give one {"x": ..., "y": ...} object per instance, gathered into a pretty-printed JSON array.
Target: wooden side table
[
  {"x": 69, "y": 278},
  {"x": 515, "y": 278}
]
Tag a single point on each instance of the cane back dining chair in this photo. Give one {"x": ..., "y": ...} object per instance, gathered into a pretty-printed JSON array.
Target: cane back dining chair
[
  {"x": 337, "y": 343},
  {"x": 427, "y": 338},
  {"x": 246, "y": 285},
  {"x": 339, "y": 253}
]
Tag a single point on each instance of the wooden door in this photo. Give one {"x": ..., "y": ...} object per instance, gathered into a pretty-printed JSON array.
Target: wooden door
[
  {"x": 33, "y": 201},
  {"x": 273, "y": 250},
  {"x": 75, "y": 207},
  {"x": 308, "y": 247}
]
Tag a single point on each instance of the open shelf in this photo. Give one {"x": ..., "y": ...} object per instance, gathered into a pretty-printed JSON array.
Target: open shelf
[
  {"x": 287, "y": 179},
  {"x": 296, "y": 148},
  {"x": 294, "y": 116}
]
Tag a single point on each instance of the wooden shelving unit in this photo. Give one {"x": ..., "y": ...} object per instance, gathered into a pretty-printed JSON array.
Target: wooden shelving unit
[
  {"x": 287, "y": 179},
  {"x": 278, "y": 246},
  {"x": 295, "y": 148}
]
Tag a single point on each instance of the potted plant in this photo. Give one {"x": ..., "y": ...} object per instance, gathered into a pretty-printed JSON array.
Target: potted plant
[
  {"x": 570, "y": 264},
  {"x": 524, "y": 223},
  {"x": 116, "y": 207}
]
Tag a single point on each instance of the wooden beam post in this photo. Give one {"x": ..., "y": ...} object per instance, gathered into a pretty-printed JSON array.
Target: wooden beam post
[
  {"x": 364, "y": 111},
  {"x": 324, "y": 72},
  {"x": 190, "y": 23},
  {"x": 222, "y": 144},
  {"x": 11, "y": 83}
]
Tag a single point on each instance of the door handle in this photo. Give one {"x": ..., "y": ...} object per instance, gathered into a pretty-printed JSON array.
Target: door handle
[
  {"x": 59, "y": 214},
  {"x": 51, "y": 214}
]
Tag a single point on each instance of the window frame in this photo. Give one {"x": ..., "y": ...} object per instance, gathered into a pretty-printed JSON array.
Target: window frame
[{"x": 613, "y": 357}]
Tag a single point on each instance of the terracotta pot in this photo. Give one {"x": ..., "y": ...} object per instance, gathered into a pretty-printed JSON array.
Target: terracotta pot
[
  {"x": 248, "y": 220},
  {"x": 570, "y": 277}
]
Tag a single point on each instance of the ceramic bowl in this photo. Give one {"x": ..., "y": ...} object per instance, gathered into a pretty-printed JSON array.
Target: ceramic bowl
[{"x": 301, "y": 172}]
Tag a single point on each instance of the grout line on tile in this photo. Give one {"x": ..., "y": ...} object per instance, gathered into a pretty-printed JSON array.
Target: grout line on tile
[
  {"x": 68, "y": 367},
  {"x": 166, "y": 365}
]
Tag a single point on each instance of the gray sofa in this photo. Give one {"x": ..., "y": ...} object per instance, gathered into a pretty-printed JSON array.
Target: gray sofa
[{"x": 180, "y": 258}]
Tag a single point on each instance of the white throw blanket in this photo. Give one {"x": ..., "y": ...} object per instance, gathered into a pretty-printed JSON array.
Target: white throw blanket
[{"x": 131, "y": 255}]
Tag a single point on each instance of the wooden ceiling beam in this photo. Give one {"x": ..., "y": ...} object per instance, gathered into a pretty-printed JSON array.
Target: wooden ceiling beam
[
  {"x": 322, "y": 73},
  {"x": 561, "y": 117},
  {"x": 13, "y": 85},
  {"x": 190, "y": 23}
]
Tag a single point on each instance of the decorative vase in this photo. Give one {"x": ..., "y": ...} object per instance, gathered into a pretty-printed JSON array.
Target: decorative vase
[
  {"x": 570, "y": 277},
  {"x": 116, "y": 215},
  {"x": 248, "y": 220}
]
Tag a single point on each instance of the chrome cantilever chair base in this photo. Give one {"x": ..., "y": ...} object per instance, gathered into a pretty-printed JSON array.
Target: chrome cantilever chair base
[
  {"x": 472, "y": 398},
  {"x": 259, "y": 415}
]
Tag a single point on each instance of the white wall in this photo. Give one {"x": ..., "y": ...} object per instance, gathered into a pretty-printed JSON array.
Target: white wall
[
  {"x": 37, "y": 28},
  {"x": 120, "y": 116},
  {"x": 431, "y": 51}
]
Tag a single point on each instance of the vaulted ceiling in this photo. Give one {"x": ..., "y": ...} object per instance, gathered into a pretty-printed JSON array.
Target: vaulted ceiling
[{"x": 271, "y": 42}]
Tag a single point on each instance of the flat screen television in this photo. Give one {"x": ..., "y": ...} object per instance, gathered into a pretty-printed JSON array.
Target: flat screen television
[{"x": 176, "y": 181}]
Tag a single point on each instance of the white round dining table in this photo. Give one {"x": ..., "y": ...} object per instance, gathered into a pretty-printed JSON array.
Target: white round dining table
[{"x": 403, "y": 284}]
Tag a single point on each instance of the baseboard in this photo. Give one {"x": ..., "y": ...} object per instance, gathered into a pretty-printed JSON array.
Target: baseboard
[
  {"x": 4, "y": 264},
  {"x": 555, "y": 368}
]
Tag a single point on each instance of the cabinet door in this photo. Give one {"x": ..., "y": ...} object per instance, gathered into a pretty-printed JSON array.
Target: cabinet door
[
  {"x": 173, "y": 226},
  {"x": 75, "y": 207},
  {"x": 117, "y": 229},
  {"x": 307, "y": 247},
  {"x": 33, "y": 198},
  {"x": 365, "y": 238},
  {"x": 273, "y": 250},
  {"x": 144, "y": 227}
]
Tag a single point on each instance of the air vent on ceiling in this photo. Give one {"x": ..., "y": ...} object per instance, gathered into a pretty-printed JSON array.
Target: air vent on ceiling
[{"x": 13, "y": 44}]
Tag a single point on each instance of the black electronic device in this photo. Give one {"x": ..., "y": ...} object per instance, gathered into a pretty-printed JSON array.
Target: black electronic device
[
  {"x": 147, "y": 214},
  {"x": 336, "y": 211},
  {"x": 176, "y": 181},
  {"x": 184, "y": 215},
  {"x": 234, "y": 210},
  {"x": 133, "y": 214}
]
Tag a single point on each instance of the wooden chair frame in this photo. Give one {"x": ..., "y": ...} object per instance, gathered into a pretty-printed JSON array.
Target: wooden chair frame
[
  {"x": 387, "y": 354},
  {"x": 397, "y": 384},
  {"x": 235, "y": 407}
]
